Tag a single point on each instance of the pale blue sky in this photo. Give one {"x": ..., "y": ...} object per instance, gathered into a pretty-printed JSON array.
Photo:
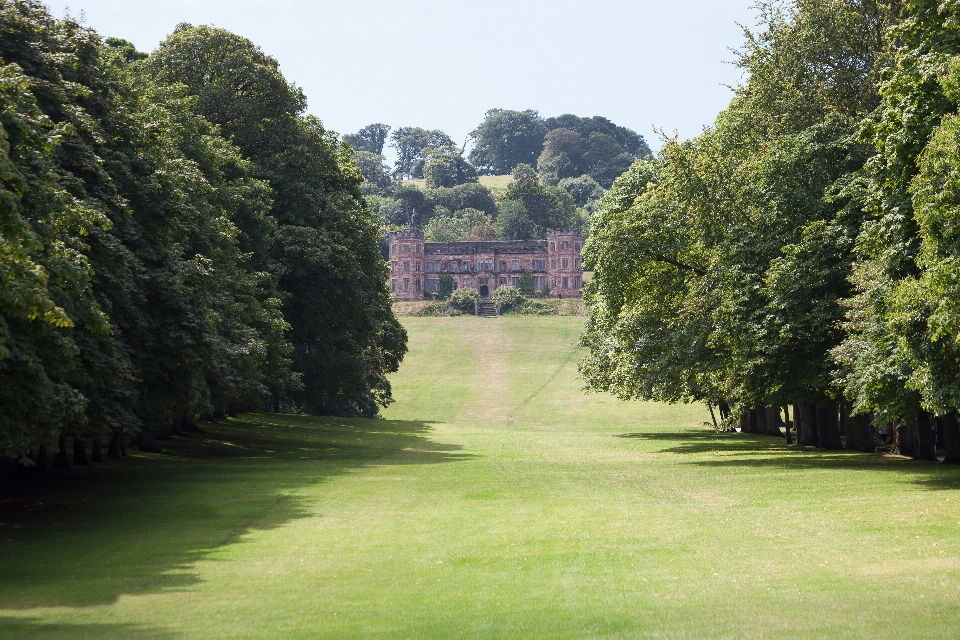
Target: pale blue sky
[{"x": 439, "y": 64}]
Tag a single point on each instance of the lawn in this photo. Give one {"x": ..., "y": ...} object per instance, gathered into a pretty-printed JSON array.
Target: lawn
[{"x": 494, "y": 501}]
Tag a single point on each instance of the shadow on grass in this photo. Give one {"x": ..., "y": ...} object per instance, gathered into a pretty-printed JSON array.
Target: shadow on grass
[
  {"x": 755, "y": 451},
  {"x": 137, "y": 525},
  {"x": 28, "y": 629}
]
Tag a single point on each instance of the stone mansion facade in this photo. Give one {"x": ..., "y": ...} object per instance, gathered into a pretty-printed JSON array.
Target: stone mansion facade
[{"x": 416, "y": 266}]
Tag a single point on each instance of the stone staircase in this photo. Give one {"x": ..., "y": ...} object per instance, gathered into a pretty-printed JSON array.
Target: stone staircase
[{"x": 487, "y": 309}]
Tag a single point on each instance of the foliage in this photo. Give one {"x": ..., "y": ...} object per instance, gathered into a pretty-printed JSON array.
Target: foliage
[
  {"x": 412, "y": 145},
  {"x": 465, "y": 299},
  {"x": 375, "y": 172},
  {"x": 445, "y": 286},
  {"x": 370, "y": 139},
  {"x": 507, "y": 297},
  {"x": 721, "y": 266},
  {"x": 505, "y": 139},
  {"x": 526, "y": 283},
  {"x": 446, "y": 167},
  {"x": 546, "y": 207}
]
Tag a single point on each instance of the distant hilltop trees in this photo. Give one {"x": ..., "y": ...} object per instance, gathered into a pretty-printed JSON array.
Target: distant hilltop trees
[{"x": 561, "y": 167}]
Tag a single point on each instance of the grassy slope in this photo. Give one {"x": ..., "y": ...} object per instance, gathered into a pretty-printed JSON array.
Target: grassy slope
[
  {"x": 495, "y": 501},
  {"x": 490, "y": 182}
]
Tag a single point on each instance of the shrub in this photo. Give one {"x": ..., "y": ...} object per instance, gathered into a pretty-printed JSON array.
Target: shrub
[
  {"x": 507, "y": 298},
  {"x": 465, "y": 299},
  {"x": 446, "y": 286},
  {"x": 526, "y": 284}
]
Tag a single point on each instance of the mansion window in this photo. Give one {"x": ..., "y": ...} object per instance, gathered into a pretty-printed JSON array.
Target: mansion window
[
  {"x": 565, "y": 284},
  {"x": 503, "y": 265},
  {"x": 418, "y": 248},
  {"x": 406, "y": 266},
  {"x": 576, "y": 263},
  {"x": 406, "y": 248},
  {"x": 577, "y": 246},
  {"x": 484, "y": 265},
  {"x": 514, "y": 282},
  {"x": 503, "y": 282},
  {"x": 553, "y": 264},
  {"x": 483, "y": 282},
  {"x": 515, "y": 265},
  {"x": 453, "y": 267},
  {"x": 432, "y": 285},
  {"x": 565, "y": 263},
  {"x": 564, "y": 246},
  {"x": 418, "y": 283},
  {"x": 406, "y": 284},
  {"x": 393, "y": 249},
  {"x": 393, "y": 285},
  {"x": 553, "y": 246},
  {"x": 539, "y": 265},
  {"x": 466, "y": 282},
  {"x": 393, "y": 266},
  {"x": 539, "y": 283},
  {"x": 418, "y": 265},
  {"x": 576, "y": 282}
]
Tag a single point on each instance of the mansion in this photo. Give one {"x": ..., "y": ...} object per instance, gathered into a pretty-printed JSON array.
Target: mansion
[{"x": 416, "y": 266}]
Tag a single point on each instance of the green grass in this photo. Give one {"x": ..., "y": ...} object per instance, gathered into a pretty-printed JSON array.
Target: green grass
[
  {"x": 495, "y": 501},
  {"x": 490, "y": 182}
]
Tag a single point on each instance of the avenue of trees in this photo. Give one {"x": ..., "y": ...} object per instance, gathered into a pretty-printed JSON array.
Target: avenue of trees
[
  {"x": 561, "y": 167},
  {"x": 178, "y": 240},
  {"x": 804, "y": 250}
]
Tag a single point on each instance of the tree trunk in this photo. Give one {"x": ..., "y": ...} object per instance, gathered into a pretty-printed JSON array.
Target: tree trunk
[
  {"x": 810, "y": 431},
  {"x": 850, "y": 429},
  {"x": 80, "y": 453},
  {"x": 904, "y": 439},
  {"x": 113, "y": 451},
  {"x": 786, "y": 424},
  {"x": 925, "y": 447},
  {"x": 938, "y": 430},
  {"x": 724, "y": 410},
  {"x": 60, "y": 459},
  {"x": 97, "y": 451},
  {"x": 828, "y": 427},
  {"x": 798, "y": 420},
  {"x": 761, "y": 412},
  {"x": 774, "y": 421},
  {"x": 951, "y": 437},
  {"x": 165, "y": 432},
  {"x": 123, "y": 445},
  {"x": 745, "y": 422},
  {"x": 41, "y": 461},
  {"x": 176, "y": 429},
  {"x": 865, "y": 439},
  {"x": 146, "y": 442}
]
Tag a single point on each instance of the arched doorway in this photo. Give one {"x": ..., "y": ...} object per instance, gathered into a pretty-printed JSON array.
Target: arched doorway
[{"x": 484, "y": 291}]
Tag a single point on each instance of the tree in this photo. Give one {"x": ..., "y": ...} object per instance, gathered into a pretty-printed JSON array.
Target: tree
[
  {"x": 513, "y": 222},
  {"x": 505, "y": 139},
  {"x": 370, "y": 139},
  {"x": 333, "y": 280},
  {"x": 375, "y": 172},
  {"x": 630, "y": 141},
  {"x": 446, "y": 167},
  {"x": 547, "y": 207},
  {"x": 412, "y": 145}
]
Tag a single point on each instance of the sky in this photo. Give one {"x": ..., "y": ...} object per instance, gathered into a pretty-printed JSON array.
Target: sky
[{"x": 650, "y": 65}]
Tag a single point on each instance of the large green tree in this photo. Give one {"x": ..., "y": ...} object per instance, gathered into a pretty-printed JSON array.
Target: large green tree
[{"x": 330, "y": 273}]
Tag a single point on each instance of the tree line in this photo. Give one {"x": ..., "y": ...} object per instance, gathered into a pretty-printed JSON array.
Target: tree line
[
  {"x": 179, "y": 240},
  {"x": 804, "y": 250},
  {"x": 561, "y": 166}
]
